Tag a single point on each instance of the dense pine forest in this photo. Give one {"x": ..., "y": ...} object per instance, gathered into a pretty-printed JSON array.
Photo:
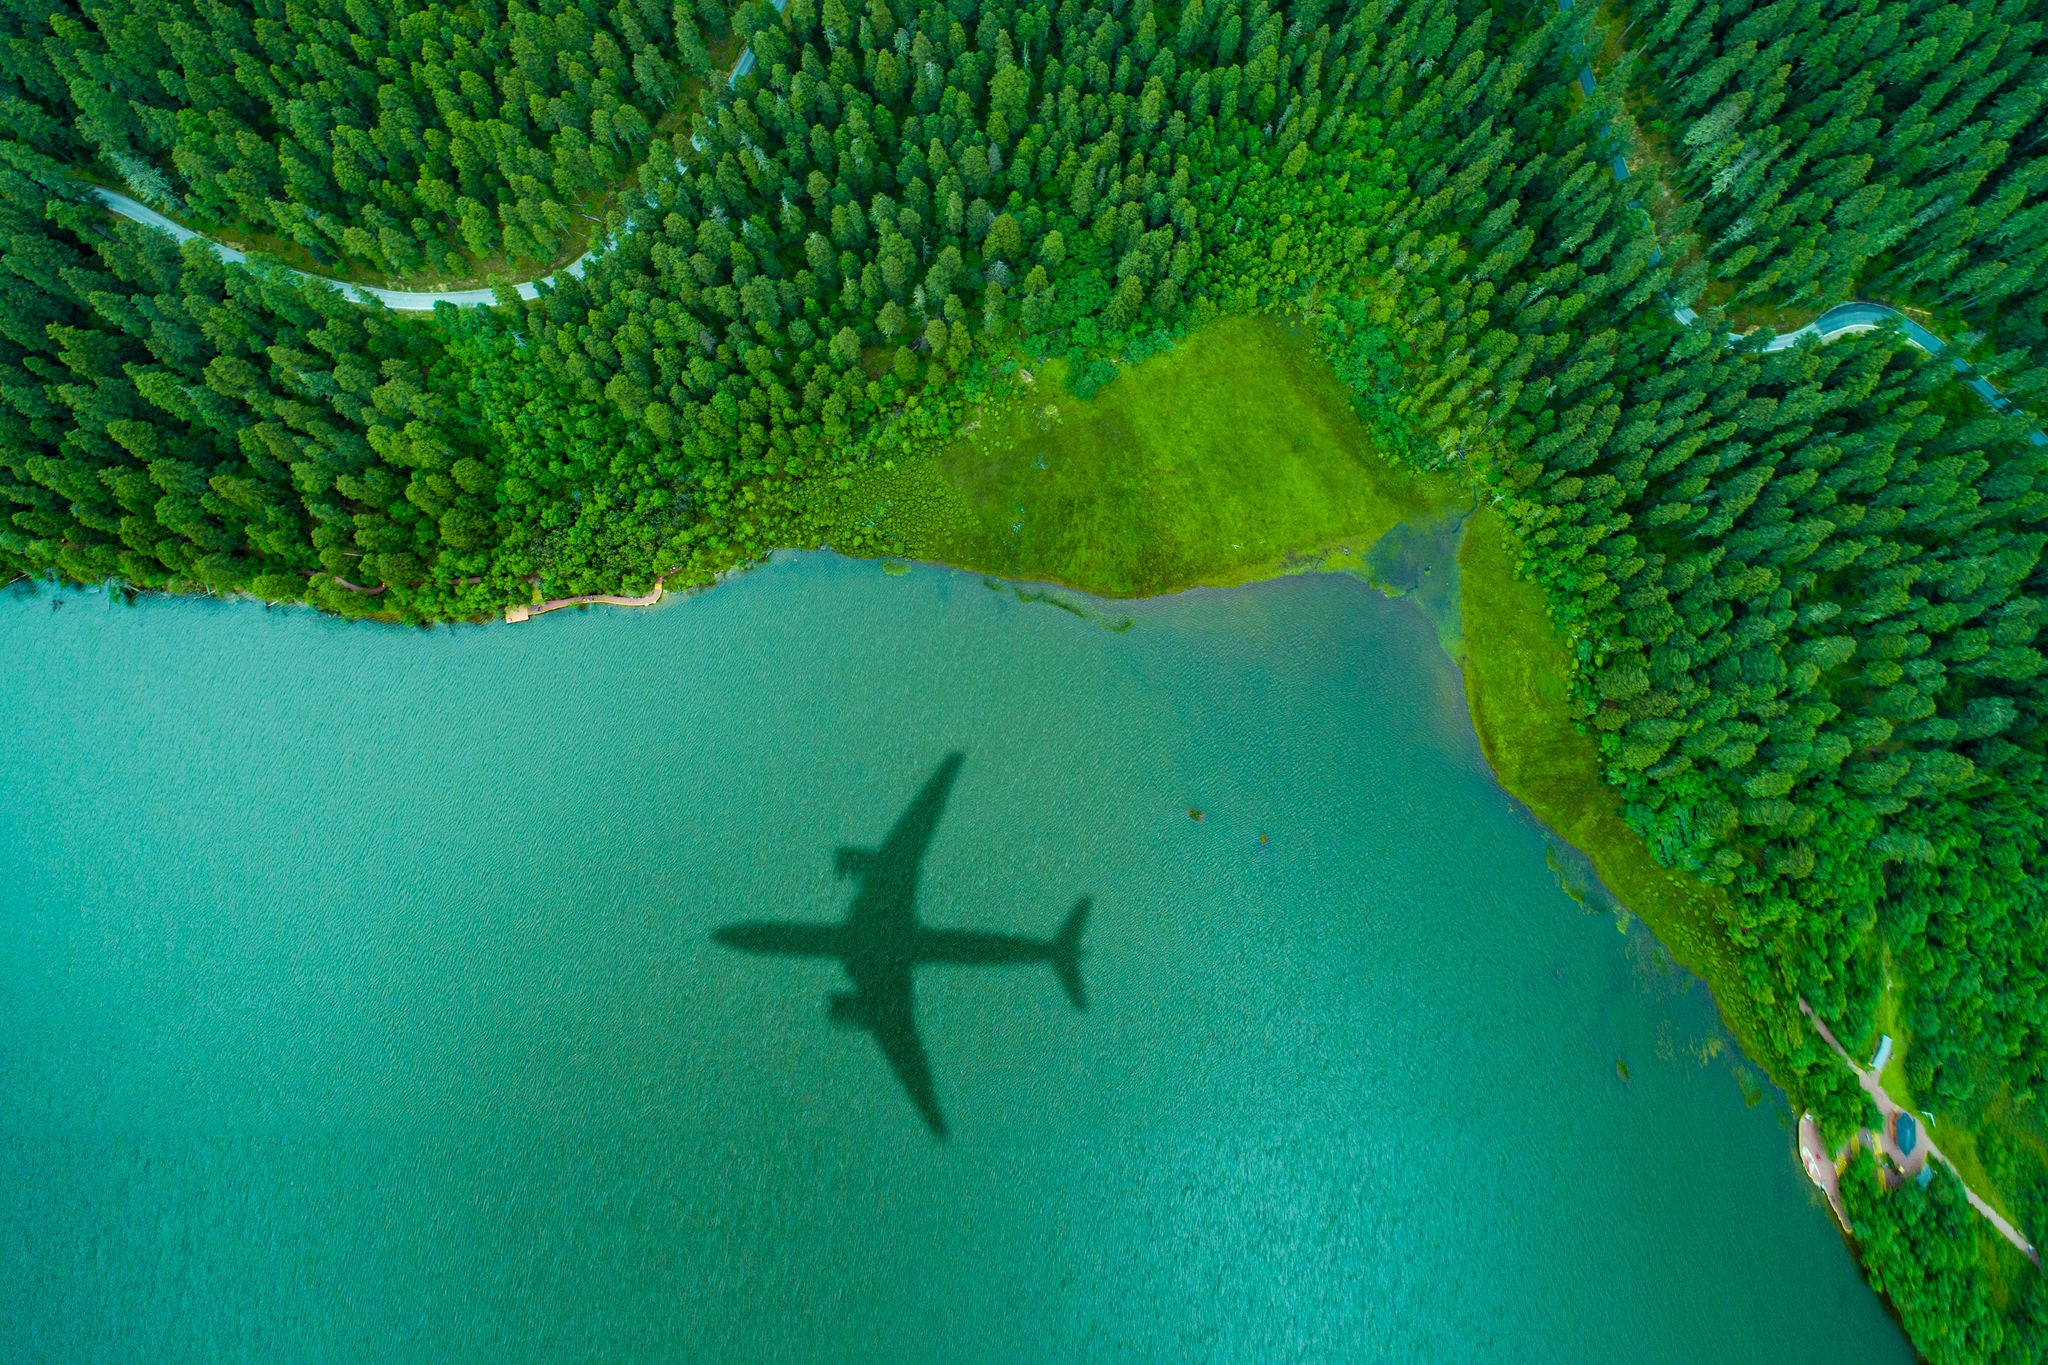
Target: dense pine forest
[
  {"x": 1886, "y": 151},
  {"x": 404, "y": 139},
  {"x": 1804, "y": 587}
]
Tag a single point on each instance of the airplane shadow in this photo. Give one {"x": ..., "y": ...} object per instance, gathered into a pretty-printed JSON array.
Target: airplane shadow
[{"x": 881, "y": 944}]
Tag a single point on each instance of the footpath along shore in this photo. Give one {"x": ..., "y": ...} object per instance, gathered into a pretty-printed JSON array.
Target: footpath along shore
[
  {"x": 514, "y": 615},
  {"x": 1824, "y": 1168}
]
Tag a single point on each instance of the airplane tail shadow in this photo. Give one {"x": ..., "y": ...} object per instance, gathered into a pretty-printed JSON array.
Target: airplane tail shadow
[{"x": 1066, "y": 953}]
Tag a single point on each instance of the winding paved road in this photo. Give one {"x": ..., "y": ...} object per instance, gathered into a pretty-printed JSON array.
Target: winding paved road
[
  {"x": 1845, "y": 318},
  {"x": 403, "y": 300}
]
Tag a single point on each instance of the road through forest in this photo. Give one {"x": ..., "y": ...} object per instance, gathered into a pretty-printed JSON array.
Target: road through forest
[
  {"x": 399, "y": 300},
  {"x": 1841, "y": 320}
]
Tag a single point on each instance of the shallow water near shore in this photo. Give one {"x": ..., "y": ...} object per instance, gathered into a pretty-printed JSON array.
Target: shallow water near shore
[{"x": 358, "y": 998}]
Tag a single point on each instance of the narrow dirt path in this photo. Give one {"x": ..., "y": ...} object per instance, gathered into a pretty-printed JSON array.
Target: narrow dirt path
[
  {"x": 1820, "y": 1167},
  {"x": 514, "y": 615}
]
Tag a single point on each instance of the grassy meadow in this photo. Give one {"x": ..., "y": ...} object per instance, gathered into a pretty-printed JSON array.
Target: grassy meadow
[{"x": 1233, "y": 456}]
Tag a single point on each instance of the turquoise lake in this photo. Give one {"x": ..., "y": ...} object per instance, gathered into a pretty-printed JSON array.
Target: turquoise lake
[{"x": 359, "y": 999}]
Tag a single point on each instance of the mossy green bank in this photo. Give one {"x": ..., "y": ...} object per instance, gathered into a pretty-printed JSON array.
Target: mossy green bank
[{"x": 1518, "y": 685}]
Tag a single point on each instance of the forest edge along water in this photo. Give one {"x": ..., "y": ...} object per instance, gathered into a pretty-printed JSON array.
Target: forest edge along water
[
  {"x": 1408, "y": 539},
  {"x": 1797, "y": 588},
  {"x": 1421, "y": 556},
  {"x": 1531, "y": 743}
]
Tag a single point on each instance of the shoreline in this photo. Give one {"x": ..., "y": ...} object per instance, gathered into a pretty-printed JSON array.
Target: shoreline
[{"x": 1820, "y": 1166}]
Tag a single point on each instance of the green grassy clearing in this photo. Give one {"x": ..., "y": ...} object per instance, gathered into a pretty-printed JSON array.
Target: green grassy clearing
[
  {"x": 1889, "y": 1022},
  {"x": 1236, "y": 455}
]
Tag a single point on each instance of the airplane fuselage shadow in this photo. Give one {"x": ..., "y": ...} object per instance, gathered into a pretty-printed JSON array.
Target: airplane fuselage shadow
[{"x": 881, "y": 945}]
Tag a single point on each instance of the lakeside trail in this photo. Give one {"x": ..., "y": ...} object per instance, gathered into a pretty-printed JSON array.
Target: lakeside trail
[
  {"x": 1821, "y": 1169},
  {"x": 514, "y": 615},
  {"x": 1883, "y": 1141}
]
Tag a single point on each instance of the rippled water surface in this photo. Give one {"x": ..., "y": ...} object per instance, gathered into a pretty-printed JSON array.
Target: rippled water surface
[{"x": 359, "y": 999}]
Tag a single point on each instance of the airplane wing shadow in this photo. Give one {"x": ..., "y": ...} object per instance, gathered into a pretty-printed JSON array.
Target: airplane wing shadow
[{"x": 895, "y": 1028}]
